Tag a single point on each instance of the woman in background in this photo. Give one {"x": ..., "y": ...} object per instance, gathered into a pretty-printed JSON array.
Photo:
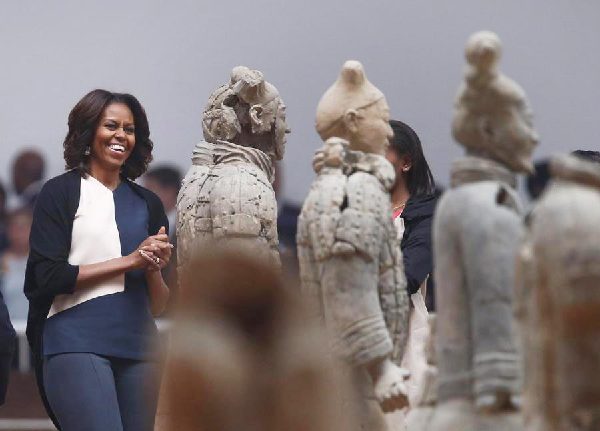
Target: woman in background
[
  {"x": 3, "y": 237},
  {"x": 13, "y": 262},
  {"x": 98, "y": 242},
  {"x": 413, "y": 201}
]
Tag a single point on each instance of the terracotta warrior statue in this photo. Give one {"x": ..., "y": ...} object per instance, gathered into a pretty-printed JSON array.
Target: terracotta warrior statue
[
  {"x": 477, "y": 230},
  {"x": 350, "y": 264},
  {"x": 227, "y": 196},
  {"x": 242, "y": 356},
  {"x": 559, "y": 301}
]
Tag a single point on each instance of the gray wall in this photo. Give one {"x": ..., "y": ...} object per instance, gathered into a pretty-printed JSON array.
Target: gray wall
[{"x": 172, "y": 54}]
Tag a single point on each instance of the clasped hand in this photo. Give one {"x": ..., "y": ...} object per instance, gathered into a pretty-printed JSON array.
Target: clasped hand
[
  {"x": 389, "y": 387},
  {"x": 154, "y": 253}
]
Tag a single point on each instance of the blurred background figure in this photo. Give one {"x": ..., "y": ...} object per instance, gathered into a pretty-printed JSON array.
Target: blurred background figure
[
  {"x": 243, "y": 356},
  {"x": 165, "y": 181},
  {"x": 3, "y": 238},
  {"x": 28, "y": 171},
  {"x": 7, "y": 347},
  {"x": 7, "y": 333},
  {"x": 589, "y": 155},
  {"x": 14, "y": 260},
  {"x": 287, "y": 226}
]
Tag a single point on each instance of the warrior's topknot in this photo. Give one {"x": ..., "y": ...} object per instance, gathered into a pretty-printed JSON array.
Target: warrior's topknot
[
  {"x": 352, "y": 74},
  {"x": 491, "y": 112},
  {"x": 483, "y": 50}
]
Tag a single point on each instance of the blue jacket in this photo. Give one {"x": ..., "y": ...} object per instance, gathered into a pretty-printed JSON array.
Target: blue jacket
[{"x": 416, "y": 241}]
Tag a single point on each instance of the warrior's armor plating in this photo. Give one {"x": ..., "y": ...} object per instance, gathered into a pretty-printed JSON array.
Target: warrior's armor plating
[
  {"x": 227, "y": 194},
  {"x": 350, "y": 263}
]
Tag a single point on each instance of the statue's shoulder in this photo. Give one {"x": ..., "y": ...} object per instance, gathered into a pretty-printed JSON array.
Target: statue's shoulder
[
  {"x": 365, "y": 194},
  {"x": 326, "y": 193},
  {"x": 360, "y": 181}
]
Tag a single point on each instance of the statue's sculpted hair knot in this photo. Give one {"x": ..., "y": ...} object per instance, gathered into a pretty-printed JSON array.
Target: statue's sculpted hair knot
[
  {"x": 483, "y": 50},
  {"x": 353, "y": 74},
  {"x": 352, "y": 90}
]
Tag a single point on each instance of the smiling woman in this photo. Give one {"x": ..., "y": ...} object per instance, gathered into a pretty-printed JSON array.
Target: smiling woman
[
  {"x": 93, "y": 280},
  {"x": 102, "y": 118}
]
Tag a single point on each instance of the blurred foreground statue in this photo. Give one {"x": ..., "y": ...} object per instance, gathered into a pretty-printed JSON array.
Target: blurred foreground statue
[
  {"x": 559, "y": 301},
  {"x": 350, "y": 264},
  {"x": 477, "y": 231},
  {"x": 243, "y": 358},
  {"x": 227, "y": 196}
]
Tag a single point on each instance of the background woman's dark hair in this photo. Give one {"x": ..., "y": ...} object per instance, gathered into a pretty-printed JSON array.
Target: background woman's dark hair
[
  {"x": 83, "y": 122},
  {"x": 406, "y": 142}
]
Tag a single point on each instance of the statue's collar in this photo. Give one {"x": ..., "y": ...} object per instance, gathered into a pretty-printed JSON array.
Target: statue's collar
[
  {"x": 573, "y": 169},
  {"x": 373, "y": 164},
  {"x": 335, "y": 156},
  {"x": 471, "y": 169},
  {"x": 223, "y": 152}
]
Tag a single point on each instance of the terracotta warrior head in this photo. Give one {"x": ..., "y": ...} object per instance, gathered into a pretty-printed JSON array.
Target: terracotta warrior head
[
  {"x": 492, "y": 118},
  {"x": 355, "y": 110},
  {"x": 247, "y": 111}
]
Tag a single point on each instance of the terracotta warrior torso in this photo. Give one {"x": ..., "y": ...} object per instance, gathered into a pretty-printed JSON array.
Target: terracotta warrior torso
[
  {"x": 350, "y": 264},
  {"x": 477, "y": 230},
  {"x": 227, "y": 195},
  {"x": 559, "y": 301}
]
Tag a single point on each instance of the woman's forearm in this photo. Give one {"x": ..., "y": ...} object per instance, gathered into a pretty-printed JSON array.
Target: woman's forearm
[
  {"x": 94, "y": 273},
  {"x": 157, "y": 291}
]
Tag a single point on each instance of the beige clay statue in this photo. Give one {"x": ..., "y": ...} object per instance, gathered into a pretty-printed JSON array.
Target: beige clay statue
[
  {"x": 227, "y": 195},
  {"x": 477, "y": 231},
  {"x": 242, "y": 356},
  {"x": 350, "y": 264},
  {"x": 559, "y": 301}
]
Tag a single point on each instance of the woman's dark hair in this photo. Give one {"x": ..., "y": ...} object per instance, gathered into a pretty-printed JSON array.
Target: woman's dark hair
[
  {"x": 406, "y": 143},
  {"x": 83, "y": 123}
]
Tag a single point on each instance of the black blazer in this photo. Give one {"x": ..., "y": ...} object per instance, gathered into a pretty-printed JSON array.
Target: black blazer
[
  {"x": 8, "y": 341},
  {"x": 416, "y": 241},
  {"x": 48, "y": 271}
]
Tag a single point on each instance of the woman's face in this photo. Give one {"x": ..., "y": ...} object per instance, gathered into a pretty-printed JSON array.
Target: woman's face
[{"x": 115, "y": 137}]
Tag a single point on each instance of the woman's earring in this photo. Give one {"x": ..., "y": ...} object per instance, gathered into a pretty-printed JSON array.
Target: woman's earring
[{"x": 87, "y": 151}]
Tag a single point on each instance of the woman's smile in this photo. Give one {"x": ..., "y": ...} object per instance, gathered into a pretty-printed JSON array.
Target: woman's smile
[{"x": 115, "y": 137}]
